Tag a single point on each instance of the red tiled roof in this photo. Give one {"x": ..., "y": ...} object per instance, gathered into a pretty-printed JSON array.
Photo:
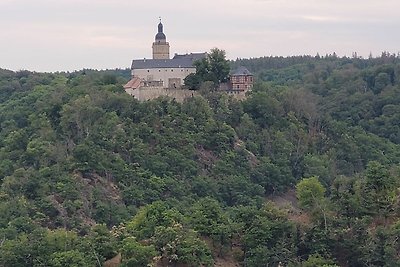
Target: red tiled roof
[{"x": 134, "y": 83}]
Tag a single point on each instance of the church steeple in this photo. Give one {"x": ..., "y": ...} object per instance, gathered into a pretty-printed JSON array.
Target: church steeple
[
  {"x": 160, "y": 36},
  {"x": 160, "y": 45}
]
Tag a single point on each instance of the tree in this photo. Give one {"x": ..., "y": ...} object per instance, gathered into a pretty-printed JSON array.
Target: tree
[
  {"x": 378, "y": 191},
  {"x": 219, "y": 66},
  {"x": 183, "y": 246},
  {"x": 214, "y": 67},
  {"x": 193, "y": 81},
  {"x": 317, "y": 260},
  {"x": 72, "y": 258},
  {"x": 310, "y": 193},
  {"x": 149, "y": 217},
  {"x": 135, "y": 254},
  {"x": 267, "y": 238},
  {"x": 102, "y": 242}
]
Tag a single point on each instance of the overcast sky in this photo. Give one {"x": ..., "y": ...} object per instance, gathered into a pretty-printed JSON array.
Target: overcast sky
[{"x": 57, "y": 35}]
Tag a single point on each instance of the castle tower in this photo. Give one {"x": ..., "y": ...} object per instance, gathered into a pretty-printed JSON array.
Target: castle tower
[{"x": 160, "y": 45}]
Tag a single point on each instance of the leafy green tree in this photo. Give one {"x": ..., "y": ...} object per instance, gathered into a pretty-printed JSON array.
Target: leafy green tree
[
  {"x": 317, "y": 260},
  {"x": 378, "y": 192},
  {"x": 219, "y": 66},
  {"x": 320, "y": 166},
  {"x": 182, "y": 246},
  {"x": 135, "y": 254},
  {"x": 344, "y": 196},
  {"x": 149, "y": 217},
  {"x": 309, "y": 192},
  {"x": 71, "y": 258},
  {"x": 214, "y": 67},
  {"x": 381, "y": 81},
  {"x": 219, "y": 137},
  {"x": 80, "y": 117},
  {"x": 264, "y": 108},
  {"x": 267, "y": 237},
  {"x": 273, "y": 177},
  {"x": 102, "y": 242},
  {"x": 311, "y": 196},
  {"x": 193, "y": 81}
]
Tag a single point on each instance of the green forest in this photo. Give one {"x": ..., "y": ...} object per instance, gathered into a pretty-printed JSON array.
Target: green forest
[{"x": 303, "y": 172}]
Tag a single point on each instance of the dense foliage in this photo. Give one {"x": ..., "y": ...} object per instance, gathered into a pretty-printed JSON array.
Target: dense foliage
[
  {"x": 213, "y": 68},
  {"x": 88, "y": 173}
]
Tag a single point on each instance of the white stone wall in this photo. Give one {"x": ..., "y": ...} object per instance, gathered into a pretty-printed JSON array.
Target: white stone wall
[{"x": 163, "y": 74}]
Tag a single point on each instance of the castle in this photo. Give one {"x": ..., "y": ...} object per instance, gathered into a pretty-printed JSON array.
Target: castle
[
  {"x": 240, "y": 82},
  {"x": 161, "y": 75}
]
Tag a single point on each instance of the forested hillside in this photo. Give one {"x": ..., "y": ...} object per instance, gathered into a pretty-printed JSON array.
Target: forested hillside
[{"x": 304, "y": 172}]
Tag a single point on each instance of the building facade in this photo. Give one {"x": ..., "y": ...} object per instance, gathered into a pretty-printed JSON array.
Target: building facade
[
  {"x": 240, "y": 82},
  {"x": 241, "y": 79},
  {"x": 161, "y": 72},
  {"x": 166, "y": 73}
]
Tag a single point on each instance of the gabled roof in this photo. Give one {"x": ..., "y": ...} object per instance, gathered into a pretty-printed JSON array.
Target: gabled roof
[
  {"x": 179, "y": 61},
  {"x": 241, "y": 71},
  {"x": 134, "y": 83},
  {"x": 192, "y": 56}
]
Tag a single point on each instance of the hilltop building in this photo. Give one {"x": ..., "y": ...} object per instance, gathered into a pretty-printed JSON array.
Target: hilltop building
[
  {"x": 161, "y": 75},
  {"x": 240, "y": 82}
]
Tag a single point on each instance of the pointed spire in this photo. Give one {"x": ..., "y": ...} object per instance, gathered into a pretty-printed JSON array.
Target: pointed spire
[
  {"x": 160, "y": 35},
  {"x": 160, "y": 27}
]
